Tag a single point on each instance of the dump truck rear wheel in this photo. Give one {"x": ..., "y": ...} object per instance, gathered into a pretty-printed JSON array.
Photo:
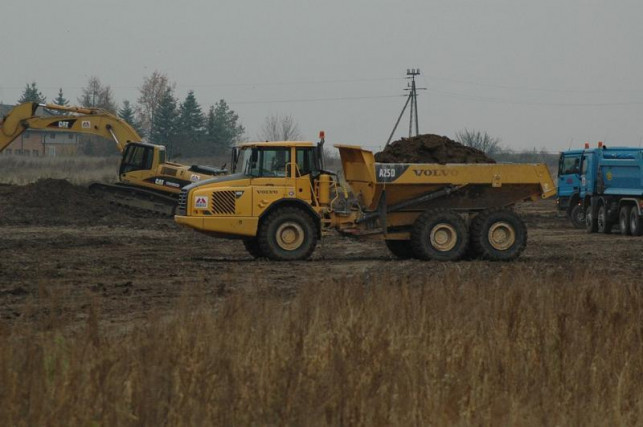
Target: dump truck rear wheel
[
  {"x": 636, "y": 223},
  {"x": 624, "y": 220},
  {"x": 577, "y": 216},
  {"x": 287, "y": 234},
  {"x": 440, "y": 235},
  {"x": 602, "y": 223},
  {"x": 253, "y": 248},
  {"x": 498, "y": 235},
  {"x": 400, "y": 248}
]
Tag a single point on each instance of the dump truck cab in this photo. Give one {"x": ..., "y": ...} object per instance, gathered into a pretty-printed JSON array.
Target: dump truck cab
[
  {"x": 267, "y": 176},
  {"x": 568, "y": 189}
]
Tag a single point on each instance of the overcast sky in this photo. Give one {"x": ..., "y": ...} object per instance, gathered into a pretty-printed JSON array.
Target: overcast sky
[{"x": 547, "y": 74}]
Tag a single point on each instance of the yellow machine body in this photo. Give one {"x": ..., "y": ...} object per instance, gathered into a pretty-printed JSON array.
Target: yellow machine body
[
  {"x": 234, "y": 206},
  {"x": 143, "y": 165}
]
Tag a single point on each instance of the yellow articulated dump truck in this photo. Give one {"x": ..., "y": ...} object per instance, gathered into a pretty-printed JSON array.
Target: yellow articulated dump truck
[{"x": 280, "y": 201}]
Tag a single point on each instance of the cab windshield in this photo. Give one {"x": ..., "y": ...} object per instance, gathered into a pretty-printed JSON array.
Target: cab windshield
[
  {"x": 265, "y": 161},
  {"x": 569, "y": 164}
]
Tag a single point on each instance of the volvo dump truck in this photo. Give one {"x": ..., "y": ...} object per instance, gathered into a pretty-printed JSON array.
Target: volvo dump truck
[
  {"x": 611, "y": 189},
  {"x": 280, "y": 201},
  {"x": 146, "y": 179}
]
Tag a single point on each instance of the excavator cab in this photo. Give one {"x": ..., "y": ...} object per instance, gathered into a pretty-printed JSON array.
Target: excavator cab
[{"x": 140, "y": 156}]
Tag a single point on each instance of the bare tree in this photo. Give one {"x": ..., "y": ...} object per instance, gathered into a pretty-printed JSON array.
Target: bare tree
[
  {"x": 151, "y": 92},
  {"x": 479, "y": 140},
  {"x": 279, "y": 127},
  {"x": 97, "y": 95}
]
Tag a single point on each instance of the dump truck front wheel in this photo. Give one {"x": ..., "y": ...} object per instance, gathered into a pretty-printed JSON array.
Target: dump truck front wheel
[
  {"x": 498, "y": 235},
  {"x": 400, "y": 248},
  {"x": 577, "y": 216},
  {"x": 287, "y": 234},
  {"x": 440, "y": 235},
  {"x": 253, "y": 248}
]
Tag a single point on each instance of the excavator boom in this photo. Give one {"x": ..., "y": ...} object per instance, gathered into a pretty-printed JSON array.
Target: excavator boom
[{"x": 92, "y": 121}]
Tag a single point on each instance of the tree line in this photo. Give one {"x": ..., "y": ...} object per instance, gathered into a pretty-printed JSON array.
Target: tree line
[{"x": 158, "y": 116}]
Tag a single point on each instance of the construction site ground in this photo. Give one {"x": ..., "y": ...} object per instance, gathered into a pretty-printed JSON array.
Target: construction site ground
[{"x": 63, "y": 249}]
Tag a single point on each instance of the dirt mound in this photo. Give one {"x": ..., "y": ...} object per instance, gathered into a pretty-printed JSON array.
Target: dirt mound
[
  {"x": 58, "y": 202},
  {"x": 430, "y": 148}
]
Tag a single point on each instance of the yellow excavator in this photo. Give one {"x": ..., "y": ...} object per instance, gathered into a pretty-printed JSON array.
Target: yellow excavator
[{"x": 146, "y": 179}]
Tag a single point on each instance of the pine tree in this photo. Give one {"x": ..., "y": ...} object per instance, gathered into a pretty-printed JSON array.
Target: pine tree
[
  {"x": 190, "y": 125},
  {"x": 127, "y": 113},
  {"x": 222, "y": 127},
  {"x": 164, "y": 123},
  {"x": 32, "y": 94},
  {"x": 60, "y": 99}
]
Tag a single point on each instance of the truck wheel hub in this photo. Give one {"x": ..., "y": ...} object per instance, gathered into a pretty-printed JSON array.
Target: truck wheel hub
[
  {"x": 290, "y": 236},
  {"x": 502, "y": 236},
  {"x": 443, "y": 237}
]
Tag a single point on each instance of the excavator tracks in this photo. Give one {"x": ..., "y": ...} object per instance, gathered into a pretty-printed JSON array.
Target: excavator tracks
[{"x": 136, "y": 198}]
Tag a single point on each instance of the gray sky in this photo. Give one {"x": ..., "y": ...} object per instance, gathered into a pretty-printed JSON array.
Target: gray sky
[{"x": 545, "y": 74}]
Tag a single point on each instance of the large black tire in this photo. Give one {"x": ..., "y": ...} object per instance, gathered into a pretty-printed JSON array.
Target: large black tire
[
  {"x": 602, "y": 221},
  {"x": 624, "y": 220},
  {"x": 498, "y": 235},
  {"x": 402, "y": 249},
  {"x": 287, "y": 234},
  {"x": 439, "y": 234},
  {"x": 253, "y": 248},
  {"x": 636, "y": 223},
  {"x": 577, "y": 216},
  {"x": 591, "y": 225}
]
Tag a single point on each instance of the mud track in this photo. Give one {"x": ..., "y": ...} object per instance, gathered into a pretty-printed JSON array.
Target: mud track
[{"x": 62, "y": 250}]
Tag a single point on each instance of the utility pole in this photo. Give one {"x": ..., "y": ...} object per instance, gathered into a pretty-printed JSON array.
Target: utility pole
[{"x": 412, "y": 99}]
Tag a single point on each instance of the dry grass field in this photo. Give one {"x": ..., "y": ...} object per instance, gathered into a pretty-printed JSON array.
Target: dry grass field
[
  {"x": 114, "y": 318},
  {"x": 506, "y": 349}
]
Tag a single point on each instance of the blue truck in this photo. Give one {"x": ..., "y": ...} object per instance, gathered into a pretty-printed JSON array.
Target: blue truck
[
  {"x": 611, "y": 189},
  {"x": 568, "y": 189}
]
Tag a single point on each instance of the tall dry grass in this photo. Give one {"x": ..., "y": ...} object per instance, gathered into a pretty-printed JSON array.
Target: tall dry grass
[
  {"x": 80, "y": 170},
  {"x": 77, "y": 170},
  {"x": 515, "y": 346}
]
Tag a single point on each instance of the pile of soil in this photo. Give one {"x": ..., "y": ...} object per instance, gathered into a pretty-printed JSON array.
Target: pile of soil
[
  {"x": 58, "y": 202},
  {"x": 430, "y": 148}
]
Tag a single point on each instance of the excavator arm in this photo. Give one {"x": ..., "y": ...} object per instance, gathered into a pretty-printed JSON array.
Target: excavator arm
[{"x": 92, "y": 121}]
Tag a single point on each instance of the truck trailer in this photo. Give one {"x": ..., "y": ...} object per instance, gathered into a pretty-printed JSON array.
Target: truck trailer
[
  {"x": 280, "y": 201},
  {"x": 611, "y": 189}
]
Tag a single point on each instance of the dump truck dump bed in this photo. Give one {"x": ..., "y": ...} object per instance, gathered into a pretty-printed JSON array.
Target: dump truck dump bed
[{"x": 467, "y": 186}]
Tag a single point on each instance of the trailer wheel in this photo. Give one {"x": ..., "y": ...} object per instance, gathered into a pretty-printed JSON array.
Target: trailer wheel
[
  {"x": 402, "y": 249},
  {"x": 602, "y": 223},
  {"x": 591, "y": 225},
  {"x": 440, "y": 235},
  {"x": 624, "y": 220},
  {"x": 577, "y": 216},
  {"x": 636, "y": 223},
  {"x": 253, "y": 248},
  {"x": 287, "y": 234},
  {"x": 498, "y": 235}
]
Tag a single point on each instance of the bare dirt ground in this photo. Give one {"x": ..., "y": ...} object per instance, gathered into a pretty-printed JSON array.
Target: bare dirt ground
[{"x": 61, "y": 249}]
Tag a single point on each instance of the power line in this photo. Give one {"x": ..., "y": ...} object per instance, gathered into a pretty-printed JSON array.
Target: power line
[
  {"x": 535, "y": 89},
  {"x": 343, "y": 98},
  {"x": 496, "y": 100}
]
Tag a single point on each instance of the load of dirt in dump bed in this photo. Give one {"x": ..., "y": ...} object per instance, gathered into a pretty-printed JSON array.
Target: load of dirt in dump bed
[
  {"x": 58, "y": 202},
  {"x": 430, "y": 148}
]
